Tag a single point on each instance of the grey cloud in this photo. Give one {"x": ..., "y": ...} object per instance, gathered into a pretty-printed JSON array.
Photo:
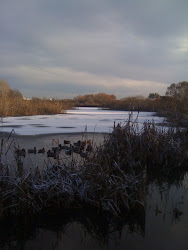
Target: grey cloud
[{"x": 139, "y": 40}]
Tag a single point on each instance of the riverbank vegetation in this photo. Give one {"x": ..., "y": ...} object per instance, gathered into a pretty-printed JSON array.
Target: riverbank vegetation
[
  {"x": 12, "y": 103},
  {"x": 173, "y": 105},
  {"x": 113, "y": 179}
]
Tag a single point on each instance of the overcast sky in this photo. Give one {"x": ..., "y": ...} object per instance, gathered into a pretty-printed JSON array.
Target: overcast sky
[{"x": 65, "y": 48}]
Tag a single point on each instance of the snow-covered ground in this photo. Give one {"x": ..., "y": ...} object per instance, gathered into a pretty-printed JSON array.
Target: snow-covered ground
[{"x": 78, "y": 120}]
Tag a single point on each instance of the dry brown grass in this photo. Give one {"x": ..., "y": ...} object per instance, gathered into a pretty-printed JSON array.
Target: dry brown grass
[{"x": 21, "y": 107}]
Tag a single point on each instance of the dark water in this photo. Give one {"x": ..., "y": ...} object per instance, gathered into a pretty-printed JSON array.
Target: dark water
[
  {"x": 41, "y": 141},
  {"x": 158, "y": 226}
]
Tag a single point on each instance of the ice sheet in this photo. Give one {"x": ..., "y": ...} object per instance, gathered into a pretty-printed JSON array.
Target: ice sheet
[{"x": 76, "y": 120}]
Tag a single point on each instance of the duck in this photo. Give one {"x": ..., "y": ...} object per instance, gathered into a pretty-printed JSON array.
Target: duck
[
  {"x": 83, "y": 143},
  {"x": 69, "y": 151},
  {"x": 89, "y": 141},
  {"x": 32, "y": 151},
  {"x": 83, "y": 155},
  {"x": 76, "y": 150},
  {"x": 63, "y": 147},
  {"x": 41, "y": 151},
  {"x": 20, "y": 152},
  {"x": 82, "y": 147},
  {"x": 89, "y": 148},
  {"x": 51, "y": 154},
  {"x": 80, "y": 143},
  {"x": 77, "y": 144},
  {"x": 55, "y": 149},
  {"x": 66, "y": 142}
]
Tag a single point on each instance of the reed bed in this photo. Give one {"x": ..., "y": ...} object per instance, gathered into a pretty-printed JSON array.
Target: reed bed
[
  {"x": 66, "y": 187},
  {"x": 112, "y": 179},
  {"x": 151, "y": 148},
  {"x": 35, "y": 106}
]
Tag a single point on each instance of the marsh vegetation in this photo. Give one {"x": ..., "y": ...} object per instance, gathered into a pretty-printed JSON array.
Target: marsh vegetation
[
  {"x": 113, "y": 181},
  {"x": 12, "y": 103},
  {"x": 112, "y": 178},
  {"x": 173, "y": 105}
]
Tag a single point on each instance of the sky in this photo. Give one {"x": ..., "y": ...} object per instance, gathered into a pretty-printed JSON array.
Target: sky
[{"x": 66, "y": 48}]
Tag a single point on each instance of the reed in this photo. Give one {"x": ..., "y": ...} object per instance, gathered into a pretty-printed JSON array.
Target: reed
[
  {"x": 112, "y": 179},
  {"x": 151, "y": 148},
  {"x": 35, "y": 106},
  {"x": 66, "y": 187}
]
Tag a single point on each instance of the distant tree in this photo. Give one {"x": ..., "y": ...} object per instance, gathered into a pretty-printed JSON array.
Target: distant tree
[
  {"x": 6, "y": 91},
  {"x": 178, "y": 95},
  {"x": 4, "y": 88},
  {"x": 102, "y": 98},
  {"x": 153, "y": 95},
  {"x": 99, "y": 99},
  {"x": 15, "y": 93},
  {"x": 178, "y": 91}
]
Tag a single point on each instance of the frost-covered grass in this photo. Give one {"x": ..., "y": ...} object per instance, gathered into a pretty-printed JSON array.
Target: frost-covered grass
[
  {"x": 151, "y": 148},
  {"x": 112, "y": 178},
  {"x": 89, "y": 184},
  {"x": 66, "y": 187}
]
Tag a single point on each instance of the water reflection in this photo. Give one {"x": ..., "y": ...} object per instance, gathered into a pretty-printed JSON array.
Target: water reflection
[
  {"x": 163, "y": 224},
  {"x": 70, "y": 230},
  {"x": 156, "y": 227}
]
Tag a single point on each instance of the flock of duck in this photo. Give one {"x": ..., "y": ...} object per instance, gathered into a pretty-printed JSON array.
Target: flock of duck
[{"x": 83, "y": 148}]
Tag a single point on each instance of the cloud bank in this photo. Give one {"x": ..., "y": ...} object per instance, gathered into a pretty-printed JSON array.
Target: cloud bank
[{"x": 67, "y": 48}]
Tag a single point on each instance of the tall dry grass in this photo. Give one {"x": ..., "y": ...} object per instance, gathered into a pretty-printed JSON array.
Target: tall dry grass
[
  {"x": 21, "y": 107},
  {"x": 151, "y": 148}
]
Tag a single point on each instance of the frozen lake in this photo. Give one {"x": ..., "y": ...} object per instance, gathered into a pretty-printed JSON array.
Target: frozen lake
[{"x": 77, "y": 120}]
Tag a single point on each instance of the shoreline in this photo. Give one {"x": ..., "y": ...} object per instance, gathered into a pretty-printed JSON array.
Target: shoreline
[{"x": 54, "y": 134}]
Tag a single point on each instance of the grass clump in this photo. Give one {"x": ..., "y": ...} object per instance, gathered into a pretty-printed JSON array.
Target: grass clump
[{"x": 150, "y": 148}]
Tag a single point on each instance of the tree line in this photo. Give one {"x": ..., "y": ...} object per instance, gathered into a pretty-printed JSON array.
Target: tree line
[{"x": 174, "y": 104}]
